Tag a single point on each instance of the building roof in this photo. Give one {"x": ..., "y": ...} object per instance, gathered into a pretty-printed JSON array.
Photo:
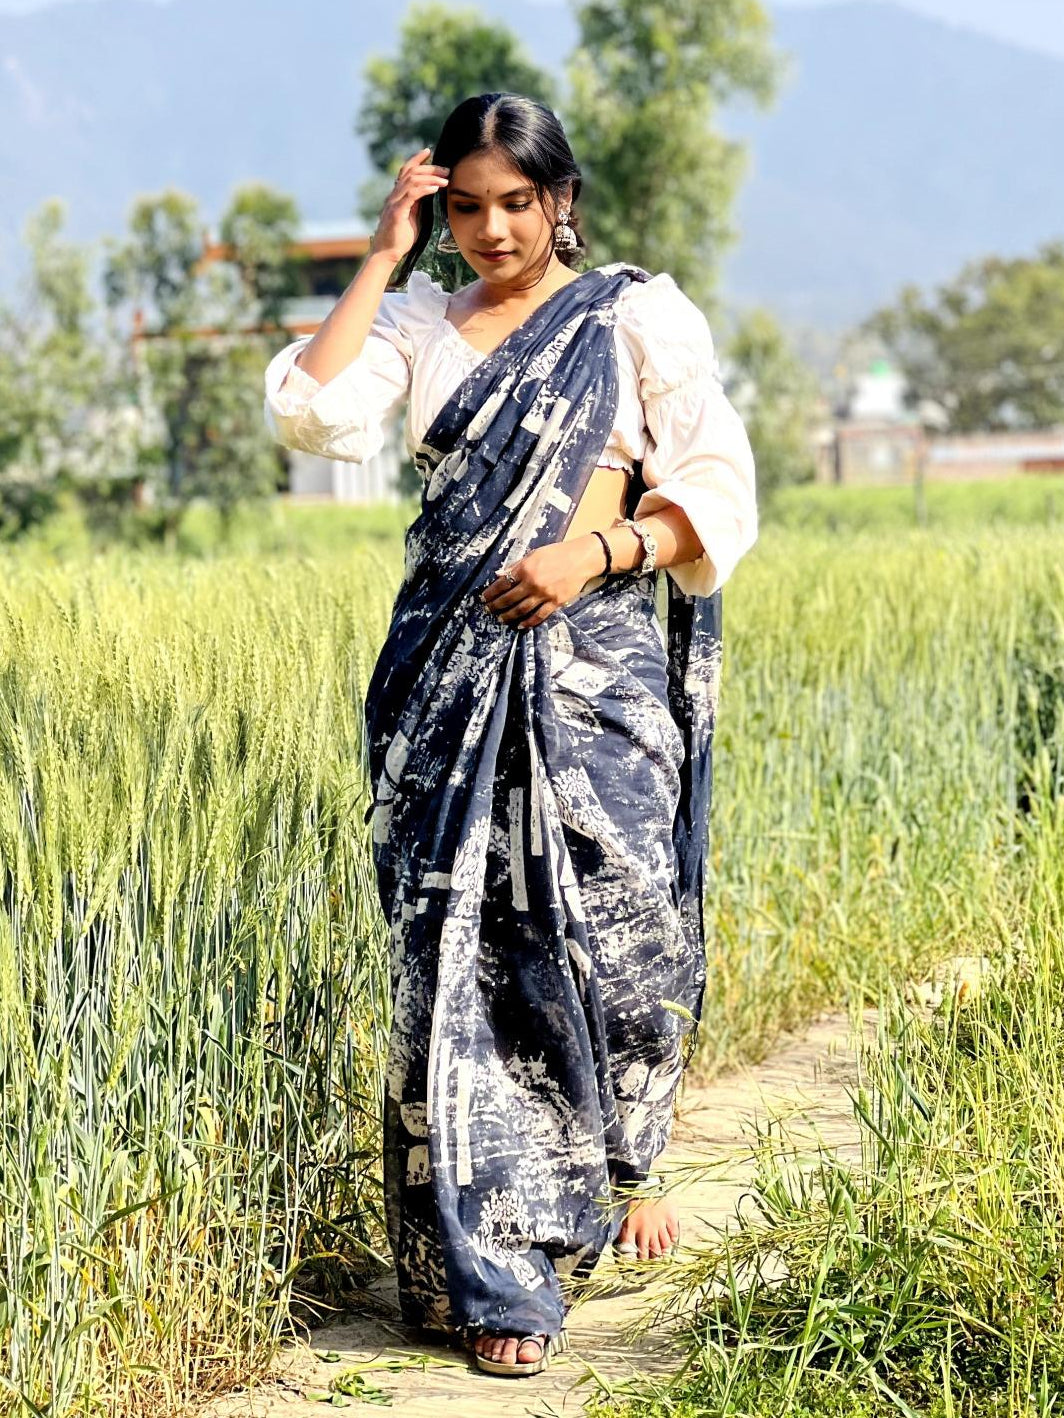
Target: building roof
[
  {"x": 302, "y": 316},
  {"x": 320, "y": 240},
  {"x": 999, "y": 447}
]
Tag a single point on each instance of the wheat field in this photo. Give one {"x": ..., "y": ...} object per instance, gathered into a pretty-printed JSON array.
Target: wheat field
[{"x": 192, "y": 973}]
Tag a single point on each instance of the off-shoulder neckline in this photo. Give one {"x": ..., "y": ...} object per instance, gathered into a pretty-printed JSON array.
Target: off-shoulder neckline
[
  {"x": 459, "y": 339},
  {"x": 486, "y": 354},
  {"x": 471, "y": 351}
]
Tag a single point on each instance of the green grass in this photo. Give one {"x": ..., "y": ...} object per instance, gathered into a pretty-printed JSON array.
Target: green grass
[
  {"x": 892, "y": 763},
  {"x": 192, "y": 1009},
  {"x": 873, "y": 711},
  {"x": 1026, "y": 500},
  {"x": 192, "y": 1012},
  {"x": 924, "y": 1279}
]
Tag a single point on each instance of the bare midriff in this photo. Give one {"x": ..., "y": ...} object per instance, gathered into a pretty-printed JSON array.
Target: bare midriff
[{"x": 603, "y": 500}]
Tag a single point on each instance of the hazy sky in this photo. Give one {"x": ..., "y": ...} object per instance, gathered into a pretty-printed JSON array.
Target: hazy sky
[{"x": 1038, "y": 24}]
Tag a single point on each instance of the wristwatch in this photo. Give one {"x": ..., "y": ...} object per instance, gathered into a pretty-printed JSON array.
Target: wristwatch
[{"x": 646, "y": 537}]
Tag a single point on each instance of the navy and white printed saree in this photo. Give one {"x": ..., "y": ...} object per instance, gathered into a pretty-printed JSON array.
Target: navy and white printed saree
[{"x": 539, "y": 833}]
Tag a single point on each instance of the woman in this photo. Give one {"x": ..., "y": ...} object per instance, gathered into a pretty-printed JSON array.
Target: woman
[{"x": 539, "y": 751}]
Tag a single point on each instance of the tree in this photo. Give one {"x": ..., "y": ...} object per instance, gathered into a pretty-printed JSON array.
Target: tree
[
  {"x": 987, "y": 347},
  {"x": 260, "y": 227},
  {"x": 408, "y": 97},
  {"x": 61, "y": 418},
  {"x": 778, "y": 397},
  {"x": 659, "y": 178},
  {"x": 197, "y": 371},
  {"x": 154, "y": 269}
]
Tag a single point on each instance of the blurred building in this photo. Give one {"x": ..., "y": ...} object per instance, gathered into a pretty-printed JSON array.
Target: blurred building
[
  {"x": 873, "y": 439},
  {"x": 331, "y": 253},
  {"x": 878, "y": 394},
  {"x": 965, "y": 456}
]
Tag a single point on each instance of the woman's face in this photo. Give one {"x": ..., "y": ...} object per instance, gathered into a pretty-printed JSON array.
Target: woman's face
[{"x": 492, "y": 207}]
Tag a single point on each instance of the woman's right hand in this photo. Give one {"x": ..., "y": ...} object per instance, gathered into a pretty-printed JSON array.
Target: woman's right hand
[{"x": 397, "y": 228}]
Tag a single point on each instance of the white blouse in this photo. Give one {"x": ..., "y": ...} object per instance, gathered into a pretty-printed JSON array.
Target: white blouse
[{"x": 672, "y": 412}]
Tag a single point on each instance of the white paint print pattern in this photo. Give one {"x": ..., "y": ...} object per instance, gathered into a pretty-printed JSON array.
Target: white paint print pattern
[{"x": 540, "y": 814}]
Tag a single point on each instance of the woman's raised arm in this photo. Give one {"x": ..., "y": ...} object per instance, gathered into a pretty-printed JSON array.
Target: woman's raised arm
[
  {"x": 332, "y": 393},
  {"x": 341, "y": 335}
]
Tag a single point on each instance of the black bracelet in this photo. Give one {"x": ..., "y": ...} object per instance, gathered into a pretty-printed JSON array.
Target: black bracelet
[{"x": 609, "y": 554}]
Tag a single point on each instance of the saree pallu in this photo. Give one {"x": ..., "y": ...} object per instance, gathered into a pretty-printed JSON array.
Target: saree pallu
[{"x": 539, "y": 820}]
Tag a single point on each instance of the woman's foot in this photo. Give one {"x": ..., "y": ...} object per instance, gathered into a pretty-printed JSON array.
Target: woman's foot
[
  {"x": 507, "y": 1350},
  {"x": 510, "y": 1358},
  {"x": 652, "y": 1226}
]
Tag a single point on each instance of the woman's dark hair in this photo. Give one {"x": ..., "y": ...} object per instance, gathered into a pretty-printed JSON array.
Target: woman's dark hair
[{"x": 523, "y": 130}]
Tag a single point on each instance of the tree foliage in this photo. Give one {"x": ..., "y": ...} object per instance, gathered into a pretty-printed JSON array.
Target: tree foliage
[
  {"x": 647, "y": 76},
  {"x": 260, "y": 226},
  {"x": 660, "y": 179},
  {"x": 444, "y": 56},
  {"x": 196, "y": 368},
  {"x": 779, "y": 396},
  {"x": 61, "y": 421},
  {"x": 152, "y": 270},
  {"x": 988, "y": 346}
]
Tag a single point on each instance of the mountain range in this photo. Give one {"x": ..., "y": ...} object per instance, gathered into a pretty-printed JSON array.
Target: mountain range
[{"x": 898, "y": 146}]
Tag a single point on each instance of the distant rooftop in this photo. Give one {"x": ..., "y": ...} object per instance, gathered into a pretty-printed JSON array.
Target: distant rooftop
[
  {"x": 343, "y": 237},
  {"x": 341, "y": 227},
  {"x": 332, "y": 231}
]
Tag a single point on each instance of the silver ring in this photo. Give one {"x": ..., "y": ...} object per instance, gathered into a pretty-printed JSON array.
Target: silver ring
[{"x": 510, "y": 577}]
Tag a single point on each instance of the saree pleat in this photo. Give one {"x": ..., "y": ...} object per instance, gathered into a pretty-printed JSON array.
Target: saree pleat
[{"x": 539, "y": 820}]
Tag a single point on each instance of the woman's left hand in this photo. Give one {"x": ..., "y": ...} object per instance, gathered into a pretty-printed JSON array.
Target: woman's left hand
[{"x": 548, "y": 577}]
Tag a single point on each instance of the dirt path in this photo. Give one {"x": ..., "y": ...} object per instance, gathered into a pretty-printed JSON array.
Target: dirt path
[{"x": 804, "y": 1081}]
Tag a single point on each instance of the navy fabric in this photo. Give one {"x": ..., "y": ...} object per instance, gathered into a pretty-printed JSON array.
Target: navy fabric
[{"x": 540, "y": 813}]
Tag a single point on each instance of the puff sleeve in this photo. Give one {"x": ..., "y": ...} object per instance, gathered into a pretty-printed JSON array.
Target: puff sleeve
[
  {"x": 698, "y": 454},
  {"x": 346, "y": 418}
]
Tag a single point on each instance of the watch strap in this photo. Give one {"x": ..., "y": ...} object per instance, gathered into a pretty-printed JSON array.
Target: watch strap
[{"x": 648, "y": 542}]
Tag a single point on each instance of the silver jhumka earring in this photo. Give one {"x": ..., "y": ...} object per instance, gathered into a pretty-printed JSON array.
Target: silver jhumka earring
[
  {"x": 564, "y": 236},
  {"x": 446, "y": 241}
]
